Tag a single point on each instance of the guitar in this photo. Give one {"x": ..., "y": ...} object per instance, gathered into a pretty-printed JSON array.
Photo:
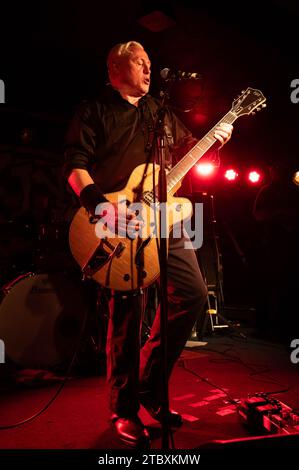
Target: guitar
[{"x": 125, "y": 263}]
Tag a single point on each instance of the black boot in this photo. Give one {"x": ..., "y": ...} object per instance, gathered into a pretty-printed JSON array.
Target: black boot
[
  {"x": 131, "y": 431},
  {"x": 173, "y": 417}
]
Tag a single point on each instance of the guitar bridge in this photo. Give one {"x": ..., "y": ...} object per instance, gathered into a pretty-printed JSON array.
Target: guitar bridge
[{"x": 101, "y": 257}]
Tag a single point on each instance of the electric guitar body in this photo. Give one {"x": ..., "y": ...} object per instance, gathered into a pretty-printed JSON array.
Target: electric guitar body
[{"x": 127, "y": 263}]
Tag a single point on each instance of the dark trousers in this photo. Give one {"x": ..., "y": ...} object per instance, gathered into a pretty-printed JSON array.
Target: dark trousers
[{"x": 131, "y": 370}]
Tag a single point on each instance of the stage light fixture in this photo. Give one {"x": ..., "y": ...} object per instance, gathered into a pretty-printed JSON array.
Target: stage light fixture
[
  {"x": 205, "y": 169},
  {"x": 231, "y": 174},
  {"x": 254, "y": 177}
]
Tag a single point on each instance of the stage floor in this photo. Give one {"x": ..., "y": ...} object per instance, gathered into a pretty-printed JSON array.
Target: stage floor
[{"x": 205, "y": 387}]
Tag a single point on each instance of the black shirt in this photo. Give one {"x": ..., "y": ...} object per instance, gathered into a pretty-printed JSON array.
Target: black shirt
[{"x": 109, "y": 137}]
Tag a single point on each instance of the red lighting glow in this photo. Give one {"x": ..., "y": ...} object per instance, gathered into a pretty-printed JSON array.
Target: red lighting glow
[
  {"x": 231, "y": 175},
  {"x": 200, "y": 118},
  {"x": 205, "y": 169},
  {"x": 254, "y": 176}
]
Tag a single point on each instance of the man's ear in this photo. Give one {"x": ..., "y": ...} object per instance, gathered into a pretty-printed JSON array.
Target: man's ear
[{"x": 115, "y": 68}]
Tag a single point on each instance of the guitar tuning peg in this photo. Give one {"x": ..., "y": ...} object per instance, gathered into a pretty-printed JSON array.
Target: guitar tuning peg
[
  {"x": 258, "y": 109},
  {"x": 264, "y": 105},
  {"x": 242, "y": 91},
  {"x": 253, "y": 112}
]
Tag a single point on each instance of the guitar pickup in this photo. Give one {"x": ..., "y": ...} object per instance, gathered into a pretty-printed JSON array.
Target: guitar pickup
[{"x": 101, "y": 257}]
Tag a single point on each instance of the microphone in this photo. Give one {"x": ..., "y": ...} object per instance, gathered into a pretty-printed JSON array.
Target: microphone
[{"x": 168, "y": 74}]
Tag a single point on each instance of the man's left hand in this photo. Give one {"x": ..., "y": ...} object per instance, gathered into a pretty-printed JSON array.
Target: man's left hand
[{"x": 223, "y": 133}]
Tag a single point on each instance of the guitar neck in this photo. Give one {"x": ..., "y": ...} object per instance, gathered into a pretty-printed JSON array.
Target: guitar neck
[{"x": 194, "y": 155}]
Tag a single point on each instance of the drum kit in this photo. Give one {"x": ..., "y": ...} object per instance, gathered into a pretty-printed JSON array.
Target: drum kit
[
  {"x": 44, "y": 302},
  {"x": 43, "y": 299}
]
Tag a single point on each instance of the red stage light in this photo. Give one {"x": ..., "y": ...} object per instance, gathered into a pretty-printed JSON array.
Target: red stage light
[
  {"x": 231, "y": 175},
  {"x": 254, "y": 176},
  {"x": 205, "y": 169}
]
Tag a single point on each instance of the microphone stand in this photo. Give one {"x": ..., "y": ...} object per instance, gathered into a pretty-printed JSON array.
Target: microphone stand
[{"x": 159, "y": 135}]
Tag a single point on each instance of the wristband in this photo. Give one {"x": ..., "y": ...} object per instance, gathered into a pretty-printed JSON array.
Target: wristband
[{"x": 90, "y": 197}]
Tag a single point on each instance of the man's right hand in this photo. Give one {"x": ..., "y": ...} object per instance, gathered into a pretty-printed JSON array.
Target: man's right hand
[{"x": 116, "y": 217}]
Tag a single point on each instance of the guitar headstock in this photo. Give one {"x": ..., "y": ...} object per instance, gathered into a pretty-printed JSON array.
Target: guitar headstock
[{"x": 248, "y": 102}]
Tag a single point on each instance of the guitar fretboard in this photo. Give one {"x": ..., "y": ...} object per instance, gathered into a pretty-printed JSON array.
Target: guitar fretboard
[{"x": 192, "y": 157}]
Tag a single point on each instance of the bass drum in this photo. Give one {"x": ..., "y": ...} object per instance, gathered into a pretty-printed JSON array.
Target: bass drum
[{"x": 41, "y": 319}]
